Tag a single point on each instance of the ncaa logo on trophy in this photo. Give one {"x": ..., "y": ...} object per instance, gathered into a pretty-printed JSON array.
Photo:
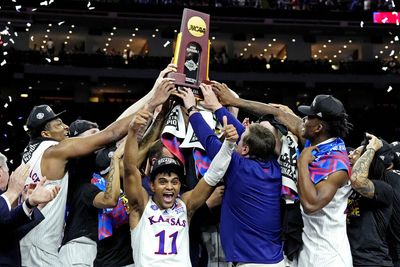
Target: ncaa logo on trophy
[{"x": 192, "y": 51}]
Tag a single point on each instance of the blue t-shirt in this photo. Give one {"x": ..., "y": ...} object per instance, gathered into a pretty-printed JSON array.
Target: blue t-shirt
[{"x": 250, "y": 215}]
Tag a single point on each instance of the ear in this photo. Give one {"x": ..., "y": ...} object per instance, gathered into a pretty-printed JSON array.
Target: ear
[
  {"x": 44, "y": 134},
  {"x": 319, "y": 128},
  {"x": 245, "y": 150},
  {"x": 152, "y": 186}
]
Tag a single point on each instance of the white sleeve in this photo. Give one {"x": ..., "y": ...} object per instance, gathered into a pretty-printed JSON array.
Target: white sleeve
[{"x": 219, "y": 164}]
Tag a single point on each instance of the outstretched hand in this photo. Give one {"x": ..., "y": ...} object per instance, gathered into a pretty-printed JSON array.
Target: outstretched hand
[
  {"x": 306, "y": 155},
  {"x": 42, "y": 195},
  {"x": 225, "y": 95},
  {"x": 229, "y": 131},
  {"x": 210, "y": 99},
  {"x": 374, "y": 142},
  {"x": 18, "y": 178},
  {"x": 140, "y": 120},
  {"x": 163, "y": 91},
  {"x": 186, "y": 94}
]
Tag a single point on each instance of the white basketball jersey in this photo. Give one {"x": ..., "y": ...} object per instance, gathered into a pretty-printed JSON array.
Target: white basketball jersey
[
  {"x": 48, "y": 234},
  {"x": 325, "y": 241},
  {"x": 161, "y": 237}
]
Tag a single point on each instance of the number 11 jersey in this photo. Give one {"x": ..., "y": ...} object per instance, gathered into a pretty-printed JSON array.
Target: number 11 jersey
[{"x": 161, "y": 237}]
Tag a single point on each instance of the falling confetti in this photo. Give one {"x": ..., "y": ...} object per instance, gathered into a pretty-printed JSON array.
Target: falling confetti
[
  {"x": 167, "y": 43},
  {"x": 391, "y": 53},
  {"x": 10, "y": 98},
  {"x": 7, "y": 149},
  {"x": 384, "y": 68},
  {"x": 32, "y": 38},
  {"x": 5, "y": 105},
  {"x": 34, "y": 9},
  {"x": 5, "y": 53},
  {"x": 385, "y": 20},
  {"x": 91, "y": 8},
  {"x": 28, "y": 24},
  {"x": 396, "y": 38},
  {"x": 10, "y": 123},
  {"x": 389, "y": 89},
  {"x": 18, "y": 8},
  {"x": 48, "y": 59},
  {"x": 88, "y": 4},
  {"x": 5, "y": 44},
  {"x": 26, "y": 128},
  {"x": 61, "y": 23},
  {"x": 5, "y": 32},
  {"x": 4, "y": 62},
  {"x": 362, "y": 24},
  {"x": 16, "y": 34},
  {"x": 11, "y": 161},
  {"x": 44, "y": 3},
  {"x": 51, "y": 1},
  {"x": 12, "y": 40}
]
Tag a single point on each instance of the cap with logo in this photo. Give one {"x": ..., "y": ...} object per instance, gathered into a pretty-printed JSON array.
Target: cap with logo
[
  {"x": 166, "y": 164},
  {"x": 325, "y": 107},
  {"x": 80, "y": 126},
  {"x": 40, "y": 115}
]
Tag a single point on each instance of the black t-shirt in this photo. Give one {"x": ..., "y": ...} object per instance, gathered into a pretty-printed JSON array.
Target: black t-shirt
[
  {"x": 368, "y": 223},
  {"x": 116, "y": 250},
  {"x": 393, "y": 178},
  {"x": 83, "y": 216}
]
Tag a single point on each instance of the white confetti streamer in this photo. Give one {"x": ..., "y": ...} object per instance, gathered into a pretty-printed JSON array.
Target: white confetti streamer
[
  {"x": 5, "y": 53},
  {"x": 7, "y": 149},
  {"x": 32, "y": 38},
  {"x": 91, "y": 8},
  {"x": 384, "y": 20},
  {"x": 16, "y": 34},
  {"x": 396, "y": 38},
  {"x": 34, "y": 9},
  {"x": 384, "y": 68},
  {"x": 389, "y": 89},
  {"x": 18, "y": 8},
  {"x": 25, "y": 128},
  {"x": 61, "y": 23},
  {"x": 11, "y": 161},
  {"x": 391, "y": 53},
  {"x": 88, "y": 4},
  {"x": 10, "y": 123},
  {"x": 44, "y": 3},
  {"x": 362, "y": 24},
  {"x": 10, "y": 98},
  {"x": 4, "y": 62},
  {"x": 28, "y": 24},
  {"x": 48, "y": 59},
  {"x": 5, "y": 44},
  {"x": 4, "y": 32},
  {"x": 5, "y": 105},
  {"x": 12, "y": 40},
  {"x": 167, "y": 43},
  {"x": 51, "y": 1}
]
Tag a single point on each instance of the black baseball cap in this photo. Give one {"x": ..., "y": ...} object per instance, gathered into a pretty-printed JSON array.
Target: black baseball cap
[
  {"x": 103, "y": 159},
  {"x": 325, "y": 107},
  {"x": 40, "y": 115},
  {"x": 80, "y": 126},
  {"x": 166, "y": 164}
]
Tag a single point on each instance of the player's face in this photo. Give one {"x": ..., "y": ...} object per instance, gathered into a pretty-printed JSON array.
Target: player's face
[
  {"x": 57, "y": 130},
  {"x": 310, "y": 124},
  {"x": 166, "y": 188},
  {"x": 355, "y": 155}
]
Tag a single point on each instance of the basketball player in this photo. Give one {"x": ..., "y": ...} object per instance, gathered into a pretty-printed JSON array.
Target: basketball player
[{"x": 159, "y": 224}]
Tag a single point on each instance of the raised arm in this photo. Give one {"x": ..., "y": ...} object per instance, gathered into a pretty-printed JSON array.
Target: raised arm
[
  {"x": 198, "y": 196},
  {"x": 314, "y": 198},
  {"x": 359, "y": 176},
  {"x": 290, "y": 120},
  {"x": 136, "y": 194},
  {"x": 109, "y": 198}
]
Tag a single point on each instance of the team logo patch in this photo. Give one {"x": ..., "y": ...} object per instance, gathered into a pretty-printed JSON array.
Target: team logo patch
[{"x": 39, "y": 116}]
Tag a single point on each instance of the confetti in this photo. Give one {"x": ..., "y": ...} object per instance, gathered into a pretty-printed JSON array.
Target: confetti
[
  {"x": 391, "y": 53},
  {"x": 7, "y": 149},
  {"x": 32, "y": 38},
  {"x": 396, "y": 38},
  {"x": 362, "y": 24},
  {"x": 5, "y": 44},
  {"x": 384, "y": 68},
  {"x": 88, "y": 4},
  {"x": 5, "y": 32},
  {"x": 26, "y": 128},
  {"x": 4, "y": 62},
  {"x": 393, "y": 5},
  {"x": 11, "y": 161},
  {"x": 34, "y": 9},
  {"x": 44, "y": 3},
  {"x": 18, "y": 8},
  {"x": 167, "y": 43},
  {"x": 12, "y": 40},
  {"x": 51, "y": 1},
  {"x": 5, "y": 105},
  {"x": 14, "y": 1},
  {"x": 10, "y": 123},
  {"x": 91, "y": 8},
  {"x": 385, "y": 20},
  {"x": 48, "y": 59},
  {"x": 61, "y": 23},
  {"x": 5, "y": 53},
  {"x": 10, "y": 98},
  {"x": 16, "y": 34},
  {"x": 28, "y": 24},
  {"x": 389, "y": 89}
]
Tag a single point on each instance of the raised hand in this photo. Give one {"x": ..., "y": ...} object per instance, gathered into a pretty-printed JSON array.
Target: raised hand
[
  {"x": 229, "y": 131},
  {"x": 140, "y": 120},
  {"x": 170, "y": 68},
  {"x": 225, "y": 95},
  {"x": 216, "y": 197},
  {"x": 210, "y": 99},
  {"x": 283, "y": 108},
  {"x": 18, "y": 178},
  {"x": 374, "y": 142},
  {"x": 186, "y": 94},
  {"x": 246, "y": 122},
  {"x": 42, "y": 195},
  {"x": 163, "y": 91}
]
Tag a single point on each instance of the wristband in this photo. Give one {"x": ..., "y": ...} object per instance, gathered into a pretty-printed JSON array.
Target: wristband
[{"x": 29, "y": 205}]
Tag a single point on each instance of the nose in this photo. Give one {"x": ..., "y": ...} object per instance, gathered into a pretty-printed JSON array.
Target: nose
[{"x": 65, "y": 126}]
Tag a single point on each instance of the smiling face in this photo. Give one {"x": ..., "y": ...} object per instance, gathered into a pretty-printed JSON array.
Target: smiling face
[
  {"x": 56, "y": 130},
  {"x": 166, "y": 187},
  {"x": 309, "y": 127}
]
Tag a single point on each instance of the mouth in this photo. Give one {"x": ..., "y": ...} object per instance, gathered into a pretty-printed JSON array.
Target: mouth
[{"x": 168, "y": 197}]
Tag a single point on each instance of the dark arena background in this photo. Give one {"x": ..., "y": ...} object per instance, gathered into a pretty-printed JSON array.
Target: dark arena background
[{"x": 95, "y": 58}]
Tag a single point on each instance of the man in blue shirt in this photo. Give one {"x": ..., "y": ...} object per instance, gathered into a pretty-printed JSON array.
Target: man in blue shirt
[{"x": 250, "y": 215}]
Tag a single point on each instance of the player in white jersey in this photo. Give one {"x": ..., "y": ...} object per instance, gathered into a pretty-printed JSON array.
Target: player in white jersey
[
  {"x": 48, "y": 153},
  {"x": 159, "y": 224}
]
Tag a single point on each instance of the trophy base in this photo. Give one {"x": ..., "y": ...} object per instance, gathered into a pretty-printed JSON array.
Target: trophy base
[{"x": 180, "y": 81}]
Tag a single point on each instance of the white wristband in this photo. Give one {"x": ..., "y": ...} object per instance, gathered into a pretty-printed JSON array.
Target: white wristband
[{"x": 219, "y": 164}]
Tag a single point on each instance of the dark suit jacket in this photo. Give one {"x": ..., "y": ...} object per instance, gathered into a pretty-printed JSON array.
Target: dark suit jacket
[{"x": 14, "y": 225}]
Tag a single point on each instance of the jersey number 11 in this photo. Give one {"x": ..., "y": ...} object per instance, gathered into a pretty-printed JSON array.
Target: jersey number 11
[{"x": 161, "y": 245}]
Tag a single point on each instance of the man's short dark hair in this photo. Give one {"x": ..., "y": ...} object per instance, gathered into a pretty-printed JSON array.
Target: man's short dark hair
[
  {"x": 156, "y": 149},
  {"x": 339, "y": 127},
  {"x": 261, "y": 142}
]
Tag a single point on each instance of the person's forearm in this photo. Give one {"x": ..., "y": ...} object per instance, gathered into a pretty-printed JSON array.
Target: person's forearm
[
  {"x": 221, "y": 112},
  {"x": 306, "y": 189},
  {"x": 359, "y": 176},
  {"x": 113, "y": 182},
  {"x": 220, "y": 163},
  {"x": 12, "y": 196},
  {"x": 206, "y": 136}
]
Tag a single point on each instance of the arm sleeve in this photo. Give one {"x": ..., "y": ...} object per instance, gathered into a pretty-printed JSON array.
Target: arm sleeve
[
  {"x": 206, "y": 136},
  {"x": 219, "y": 164},
  {"x": 383, "y": 194},
  {"x": 221, "y": 112}
]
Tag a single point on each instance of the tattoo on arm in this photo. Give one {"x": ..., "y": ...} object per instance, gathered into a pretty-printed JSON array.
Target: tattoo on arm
[
  {"x": 108, "y": 192},
  {"x": 359, "y": 177}
]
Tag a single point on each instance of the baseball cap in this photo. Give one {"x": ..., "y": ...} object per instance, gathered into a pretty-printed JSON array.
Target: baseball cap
[
  {"x": 166, "y": 164},
  {"x": 103, "y": 159},
  {"x": 386, "y": 153},
  {"x": 40, "y": 115},
  {"x": 80, "y": 126},
  {"x": 325, "y": 107}
]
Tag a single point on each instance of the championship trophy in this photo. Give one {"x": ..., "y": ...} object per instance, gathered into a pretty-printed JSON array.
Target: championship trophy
[{"x": 192, "y": 51}]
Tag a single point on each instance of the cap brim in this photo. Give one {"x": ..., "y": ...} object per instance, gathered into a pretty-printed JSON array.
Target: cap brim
[
  {"x": 306, "y": 110},
  {"x": 54, "y": 117}
]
